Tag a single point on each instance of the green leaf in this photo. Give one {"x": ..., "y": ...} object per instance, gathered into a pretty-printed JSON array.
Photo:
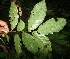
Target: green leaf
[
  {"x": 51, "y": 26},
  {"x": 17, "y": 44},
  {"x": 35, "y": 42},
  {"x": 37, "y": 15},
  {"x": 60, "y": 24},
  {"x": 21, "y": 25},
  {"x": 13, "y": 14},
  {"x": 43, "y": 42},
  {"x": 7, "y": 38},
  {"x": 29, "y": 42}
]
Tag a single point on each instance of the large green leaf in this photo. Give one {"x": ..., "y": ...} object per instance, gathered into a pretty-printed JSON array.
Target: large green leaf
[
  {"x": 43, "y": 42},
  {"x": 21, "y": 25},
  {"x": 51, "y": 26},
  {"x": 35, "y": 42},
  {"x": 37, "y": 15},
  {"x": 17, "y": 44},
  {"x": 29, "y": 42},
  {"x": 13, "y": 14}
]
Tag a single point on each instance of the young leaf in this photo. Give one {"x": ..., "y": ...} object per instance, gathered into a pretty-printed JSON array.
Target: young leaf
[
  {"x": 13, "y": 14},
  {"x": 51, "y": 26},
  {"x": 37, "y": 15},
  {"x": 29, "y": 42},
  {"x": 21, "y": 25},
  {"x": 17, "y": 44}
]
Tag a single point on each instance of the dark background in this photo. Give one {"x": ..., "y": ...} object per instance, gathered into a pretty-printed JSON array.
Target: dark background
[{"x": 60, "y": 8}]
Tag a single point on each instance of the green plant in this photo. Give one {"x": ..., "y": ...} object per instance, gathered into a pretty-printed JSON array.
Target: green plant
[{"x": 35, "y": 39}]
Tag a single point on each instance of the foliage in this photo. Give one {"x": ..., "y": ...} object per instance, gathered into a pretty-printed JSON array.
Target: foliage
[
  {"x": 51, "y": 26},
  {"x": 17, "y": 44},
  {"x": 37, "y": 15},
  {"x": 13, "y": 15},
  {"x": 21, "y": 25},
  {"x": 39, "y": 35},
  {"x": 29, "y": 42}
]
